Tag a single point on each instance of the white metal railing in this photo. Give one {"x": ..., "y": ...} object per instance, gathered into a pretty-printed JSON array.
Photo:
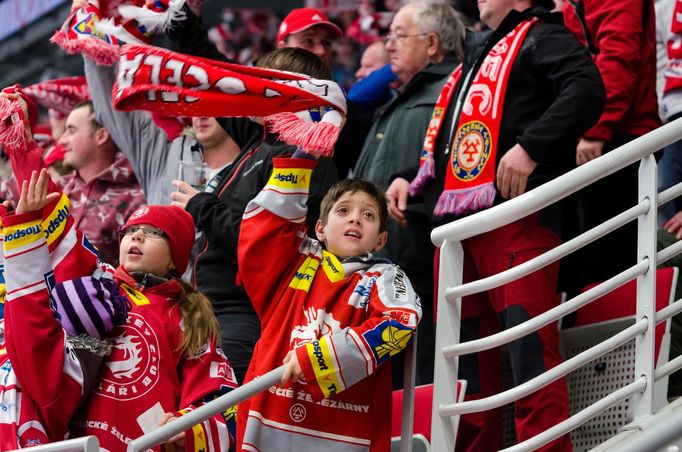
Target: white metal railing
[
  {"x": 84, "y": 444},
  {"x": 451, "y": 290}
]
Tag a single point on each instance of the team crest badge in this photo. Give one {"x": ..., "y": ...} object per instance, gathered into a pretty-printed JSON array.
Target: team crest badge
[{"x": 472, "y": 148}]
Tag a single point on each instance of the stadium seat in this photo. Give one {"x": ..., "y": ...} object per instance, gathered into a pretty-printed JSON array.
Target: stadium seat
[
  {"x": 421, "y": 434},
  {"x": 596, "y": 322}
]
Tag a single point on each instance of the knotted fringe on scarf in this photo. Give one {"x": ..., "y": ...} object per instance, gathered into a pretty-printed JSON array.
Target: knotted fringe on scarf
[
  {"x": 192, "y": 86},
  {"x": 13, "y": 134},
  {"x": 459, "y": 202},
  {"x": 156, "y": 19},
  {"x": 79, "y": 35},
  {"x": 426, "y": 173},
  {"x": 13, "y": 123},
  {"x": 320, "y": 137}
]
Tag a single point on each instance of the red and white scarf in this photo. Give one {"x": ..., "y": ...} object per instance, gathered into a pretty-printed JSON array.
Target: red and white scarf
[
  {"x": 97, "y": 30},
  {"x": 470, "y": 175},
  {"x": 61, "y": 94},
  {"x": 173, "y": 84}
]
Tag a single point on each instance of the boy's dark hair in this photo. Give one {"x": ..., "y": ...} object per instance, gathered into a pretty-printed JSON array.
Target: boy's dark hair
[
  {"x": 294, "y": 59},
  {"x": 352, "y": 186}
]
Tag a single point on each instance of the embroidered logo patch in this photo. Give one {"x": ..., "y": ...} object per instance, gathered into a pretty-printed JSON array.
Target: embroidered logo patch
[
  {"x": 472, "y": 148},
  {"x": 132, "y": 369},
  {"x": 387, "y": 339}
]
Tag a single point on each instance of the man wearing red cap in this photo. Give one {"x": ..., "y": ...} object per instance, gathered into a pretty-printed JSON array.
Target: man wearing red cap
[{"x": 309, "y": 29}]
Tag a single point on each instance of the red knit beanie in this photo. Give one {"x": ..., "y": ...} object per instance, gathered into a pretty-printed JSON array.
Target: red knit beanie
[{"x": 176, "y": 223}]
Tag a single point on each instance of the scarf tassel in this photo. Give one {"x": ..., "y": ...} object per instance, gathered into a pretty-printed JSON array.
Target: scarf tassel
[
  {"x": 95, "y": 49},
  {"x": 156, "y": 19},
  {"x": 425, "y": 174},
  {"x": 459, "y": 202},
  {"x": 314, "y": 138},
  {"x": 13, "y": 134}
]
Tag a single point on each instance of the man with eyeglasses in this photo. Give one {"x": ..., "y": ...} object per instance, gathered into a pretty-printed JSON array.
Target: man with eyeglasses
[
  {"x": 507, "y": 121},
  {"x": 424, "y": 46}
]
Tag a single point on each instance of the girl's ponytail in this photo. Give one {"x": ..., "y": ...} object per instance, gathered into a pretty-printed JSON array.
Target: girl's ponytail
[{"x": 199, "y": 322}]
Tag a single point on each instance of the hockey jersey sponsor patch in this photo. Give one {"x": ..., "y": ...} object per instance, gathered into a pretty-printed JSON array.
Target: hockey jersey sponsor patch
[
  {"x": 332, "y": 267},
  {"x": 290, "y": 178},
  {"x": 324, "y": 366},
  {"x": 387, "y": 339},
  {"x": 305, "y": 274}
]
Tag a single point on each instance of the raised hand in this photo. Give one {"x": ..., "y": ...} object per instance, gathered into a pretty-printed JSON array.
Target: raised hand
[{"x": 34, "y": 193}]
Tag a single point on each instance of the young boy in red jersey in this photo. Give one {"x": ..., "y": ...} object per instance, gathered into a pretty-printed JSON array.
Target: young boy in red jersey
[{"x": 330, "y": 310}]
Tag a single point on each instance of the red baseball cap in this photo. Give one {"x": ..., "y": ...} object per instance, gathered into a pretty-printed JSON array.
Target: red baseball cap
[{"x": 303, "y": 18}]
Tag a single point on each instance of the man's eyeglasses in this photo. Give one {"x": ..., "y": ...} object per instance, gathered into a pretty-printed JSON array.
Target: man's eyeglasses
[
  {"x": 149, "y": 232},
  {"x": 398, "y": 37}
]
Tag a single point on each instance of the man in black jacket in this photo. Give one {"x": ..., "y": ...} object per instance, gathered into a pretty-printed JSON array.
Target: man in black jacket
[
  {"x": 425, "y": 46},
  {"x": 512, "y": 123}
]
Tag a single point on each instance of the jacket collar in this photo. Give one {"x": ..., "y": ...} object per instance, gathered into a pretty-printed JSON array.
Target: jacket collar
[{"x": 152, "y": 283}]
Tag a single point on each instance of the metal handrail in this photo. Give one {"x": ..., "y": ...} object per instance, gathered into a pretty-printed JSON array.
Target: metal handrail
[
  {"x": 84, "y": 444},
  {"x": 657, "y": 437},
  {"x": 542, "y": 380},
  {"x": 559, "y": 188},
  {"x": 194, "y": 417},
  {"x": 669, "y": 194},
  {"x": 580, "y": 418},
  {"x": 668, "y": 252},
  {"x": 544, "y": 319},
  {"x": 550, "y": 256}
]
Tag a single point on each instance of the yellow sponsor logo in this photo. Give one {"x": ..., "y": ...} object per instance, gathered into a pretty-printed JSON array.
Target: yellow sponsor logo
[
  {"x": 395, "y": 340},
  {"x": 325, "y": 372},
  {"x": 332, "y": 267},
  {"x": 55, "y": 223},
  {"x": 199, "y": 438},
  {"x": 136, "y": 297},
  {"x": 288, "y": 178},
  {"x": 305, "y": 274},
  {"x": 230, "y": 413},
  {"x": 22, "y": 235}
]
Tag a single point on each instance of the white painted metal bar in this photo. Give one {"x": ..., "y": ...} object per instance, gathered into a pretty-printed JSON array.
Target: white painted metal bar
[
  {"x": 407, "y": 423},
  {"x": 559, "y": 188},
  {"x": 443, "y": 429},
  {"x": 547, "y": 258},
  {"x": 669, "y": 311},
  {"x": 668, "y": 252},
  {"x": 658, "y": 436},
  {"x": 544, "y": 319},
  {"x": 84, "y": 444},
  {"x": 646, "y": 289},
  {"x": 669, "y": 194},
  {"x": 668, "y": 368},
  {"x": 542, "y": 380},
  {"x": 183, "y": 423},
  {"x": 579, "y": 418}
]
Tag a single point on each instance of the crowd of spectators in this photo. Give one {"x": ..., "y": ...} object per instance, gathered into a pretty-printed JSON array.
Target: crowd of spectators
[{"x": 449, "y": 108}]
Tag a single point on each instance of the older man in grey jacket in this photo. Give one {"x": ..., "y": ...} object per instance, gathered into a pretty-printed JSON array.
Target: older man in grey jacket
[{"x": 424, "y": 45}]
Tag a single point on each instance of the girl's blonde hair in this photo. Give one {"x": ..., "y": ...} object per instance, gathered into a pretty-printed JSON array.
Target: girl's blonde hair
[{"x": 199, "y": 323}]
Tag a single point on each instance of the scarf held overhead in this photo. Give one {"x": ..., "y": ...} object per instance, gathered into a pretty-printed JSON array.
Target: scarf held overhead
[
  {"x": 173, "y": 84},
  {"x": 470, "y": 174}
]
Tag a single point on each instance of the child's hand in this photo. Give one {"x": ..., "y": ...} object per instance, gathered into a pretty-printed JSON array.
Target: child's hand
[
  {"x": 34, "y": 195},
  {"x": 293, "y": 372},
  {"x": 178, "y": 439}
]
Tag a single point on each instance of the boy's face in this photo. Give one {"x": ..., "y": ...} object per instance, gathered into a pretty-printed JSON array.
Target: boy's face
[{"x": 352, "y": 226}]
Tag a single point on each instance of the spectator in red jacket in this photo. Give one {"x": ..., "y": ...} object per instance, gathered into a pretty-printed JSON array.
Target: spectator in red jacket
[{"x": 620, "y": 35}]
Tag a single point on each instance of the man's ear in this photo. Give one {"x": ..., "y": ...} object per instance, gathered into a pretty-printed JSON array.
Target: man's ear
[
  {"x": 101, "y": 136},
  {"x": 319, "y": 231},
  {"x": 381, "y": 241},
  {"x": 434, "y": 45}
]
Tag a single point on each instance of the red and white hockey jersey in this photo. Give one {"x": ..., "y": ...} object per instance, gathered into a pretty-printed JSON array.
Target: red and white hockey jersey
[
  {"x": 41, "y": 375},
  {"x": 146, "y": 375},
  {"x": 344, "y": 319}
]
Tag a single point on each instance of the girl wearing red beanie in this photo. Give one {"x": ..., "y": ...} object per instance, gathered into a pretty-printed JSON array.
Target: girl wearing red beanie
[{"x": 165, "y": 360}]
